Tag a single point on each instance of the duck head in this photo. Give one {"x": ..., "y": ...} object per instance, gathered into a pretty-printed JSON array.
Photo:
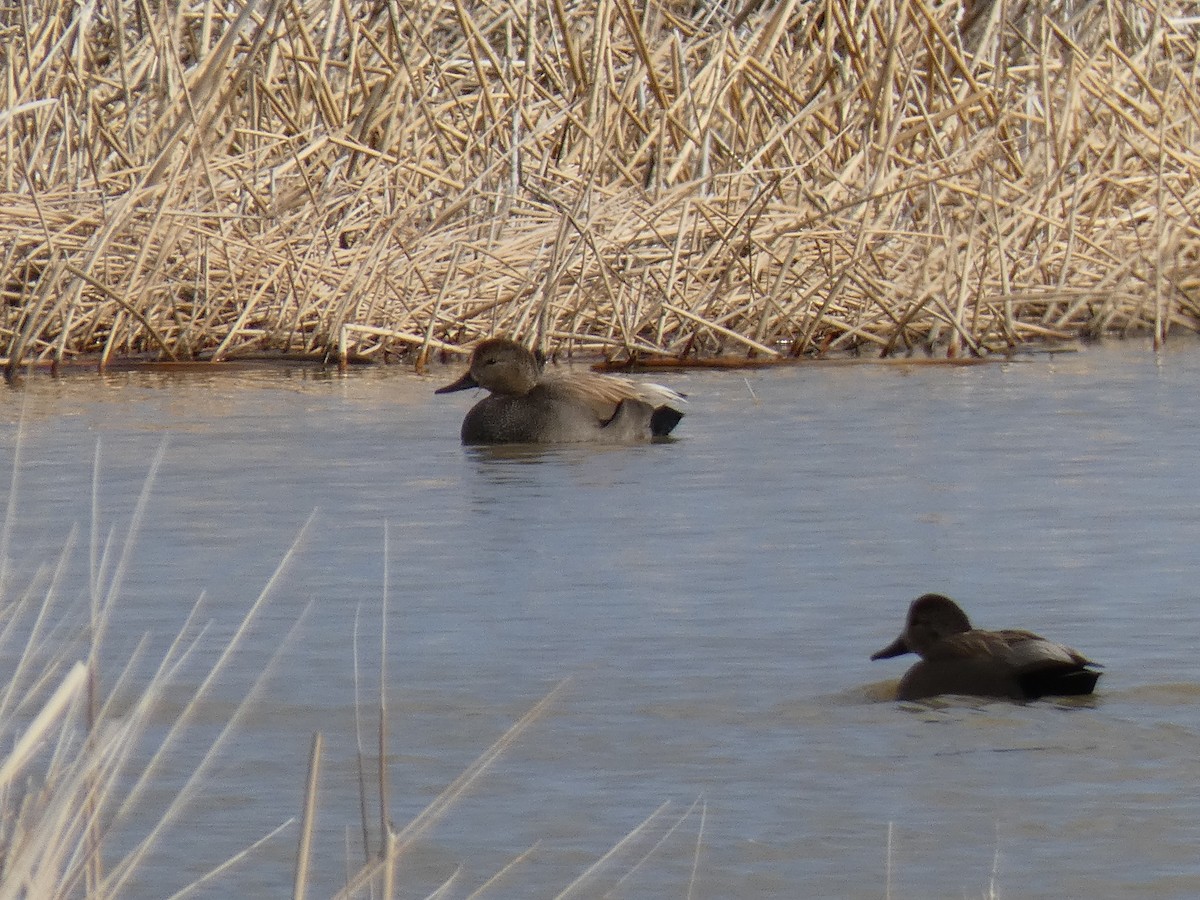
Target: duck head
[
  {"x": 931, "y": 618},
  {"x": 500, "y": 366}
]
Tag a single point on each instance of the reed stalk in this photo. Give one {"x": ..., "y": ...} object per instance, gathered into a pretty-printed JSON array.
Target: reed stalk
[{"x": 308, "y": 818}]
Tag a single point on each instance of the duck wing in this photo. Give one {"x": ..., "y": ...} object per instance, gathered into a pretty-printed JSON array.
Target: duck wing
[
  {"x": 1039, "y": 666},
  {"x": 1020, "y": 650},
  {"x": 1025, "y": 650},
  {"x": 604, "y": 393}
]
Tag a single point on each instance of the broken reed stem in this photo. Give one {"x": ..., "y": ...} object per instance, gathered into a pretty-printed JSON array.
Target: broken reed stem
[
  {"x": 360, "y": 753},
  {"x": 308, "y": 819},
  {"x": 34, "y": 736},
  {"x": 796, "y": 177},
  {"x": 385, "y": 829}
]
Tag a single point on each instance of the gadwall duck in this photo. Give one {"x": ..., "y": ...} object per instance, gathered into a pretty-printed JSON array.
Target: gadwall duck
[
  {"x": 959, "y": 659},
  {"x": 528, "y": 406}
]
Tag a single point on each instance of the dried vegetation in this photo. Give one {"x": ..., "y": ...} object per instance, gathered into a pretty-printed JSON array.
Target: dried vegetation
[
  {"x": 210, "y": 181},
  {"x": 104, "y": 758}
]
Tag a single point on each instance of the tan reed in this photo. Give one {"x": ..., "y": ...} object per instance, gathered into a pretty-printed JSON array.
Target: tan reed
[{"x": 313, "y": 179}]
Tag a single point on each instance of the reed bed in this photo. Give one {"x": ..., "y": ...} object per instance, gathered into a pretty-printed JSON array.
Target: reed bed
[{"x": 203, "y": 181}]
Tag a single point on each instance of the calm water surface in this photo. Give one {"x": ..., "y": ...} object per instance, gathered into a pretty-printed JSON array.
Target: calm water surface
[{"x": 713, "y": 602}]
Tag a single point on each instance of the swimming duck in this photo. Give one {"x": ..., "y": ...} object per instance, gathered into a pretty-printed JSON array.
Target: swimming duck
[
  {"x": 959, "y": 659},
  {"x": 528, "y": 406}
]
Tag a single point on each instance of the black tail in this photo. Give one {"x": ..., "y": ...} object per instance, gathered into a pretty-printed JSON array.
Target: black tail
[
  {"x": 663, "y": 419},
  {"x": 1058, "y": 683}
]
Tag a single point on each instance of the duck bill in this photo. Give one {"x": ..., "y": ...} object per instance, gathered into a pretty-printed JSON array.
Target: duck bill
[
  {"x": 895, "y": 648},
  {"x": 461, "y": 385}
]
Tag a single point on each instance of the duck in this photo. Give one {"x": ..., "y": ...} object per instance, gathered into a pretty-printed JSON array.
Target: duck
[
  {"x": 957, "y": 658},
  {"x": 527, "y": 405}
]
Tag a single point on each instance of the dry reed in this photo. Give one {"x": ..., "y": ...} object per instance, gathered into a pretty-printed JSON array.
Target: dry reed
[
  {"x": 82, "y": 768},
  {"x": 86, "y": 747},
  {"x": 206, "y": 181}
]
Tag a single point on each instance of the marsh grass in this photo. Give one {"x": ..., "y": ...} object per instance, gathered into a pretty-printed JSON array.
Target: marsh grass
[
  {"x": 204, "y": 181},
  {"x": 80, "y": 772},
  {"x": 89, "y": 741}
]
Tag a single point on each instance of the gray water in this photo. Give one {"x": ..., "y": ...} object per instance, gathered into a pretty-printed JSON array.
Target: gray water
[{"x": 712, "y": 601}]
